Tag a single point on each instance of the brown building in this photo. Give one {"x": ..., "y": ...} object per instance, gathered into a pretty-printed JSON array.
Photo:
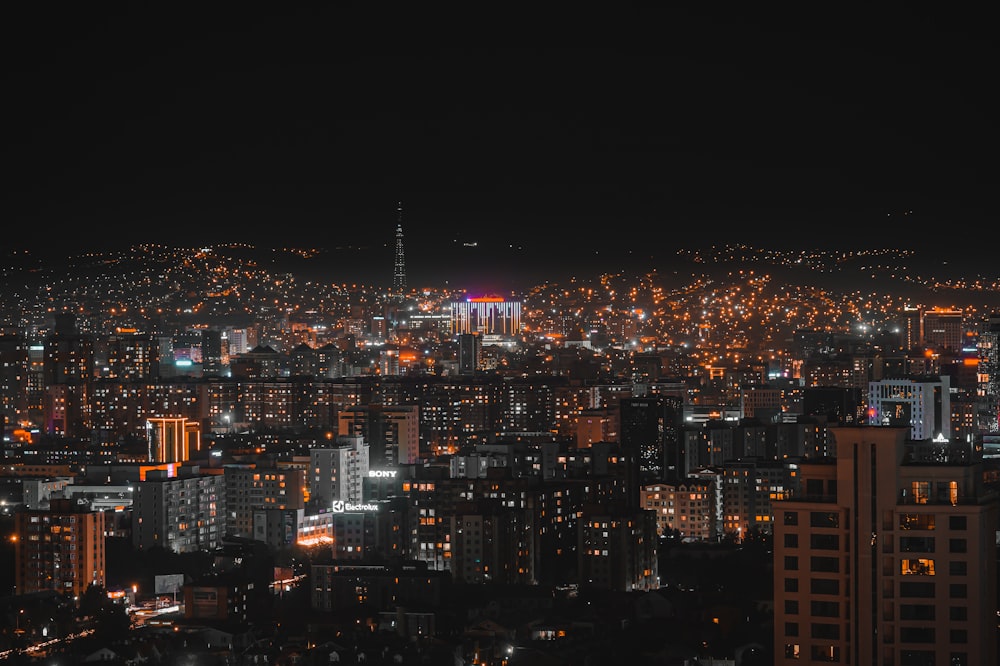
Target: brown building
[
  {"x": 887, "y": 556},
  {"x": 61, "y": 549},
  {"x": 688, "y": 508}
]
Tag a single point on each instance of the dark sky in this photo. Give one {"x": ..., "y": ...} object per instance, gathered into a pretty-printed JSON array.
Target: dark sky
[{"x": 305, "y": 125}]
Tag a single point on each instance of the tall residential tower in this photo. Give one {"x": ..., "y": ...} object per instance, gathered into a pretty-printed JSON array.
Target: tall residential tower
[{"x": 888, "y": 556}]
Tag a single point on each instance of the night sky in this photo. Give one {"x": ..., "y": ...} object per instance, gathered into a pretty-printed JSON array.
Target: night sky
[{"x": 306, "y": 124}]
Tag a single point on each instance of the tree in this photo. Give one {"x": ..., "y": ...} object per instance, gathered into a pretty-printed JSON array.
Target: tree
[{"x": 111, "y": 621}]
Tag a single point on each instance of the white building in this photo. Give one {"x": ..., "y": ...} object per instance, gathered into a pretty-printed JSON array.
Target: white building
[
  {"x": 337, "y": 473},
  {"x": 922, "y": 403}
]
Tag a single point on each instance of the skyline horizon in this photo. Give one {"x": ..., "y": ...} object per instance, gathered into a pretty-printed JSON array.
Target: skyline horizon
[
  {"x": 921, "y": 277},
  {"x": 254, "y": 125}
]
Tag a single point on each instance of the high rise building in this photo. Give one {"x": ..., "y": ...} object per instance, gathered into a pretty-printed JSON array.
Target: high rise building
[
  {"x": 60, "y": 549},
  {"x": 132, "y": 356},
  {"x": 211, "y": 352},
  {"x": 616, "y": 550},
  {"x": 469, "y": 349},
  {"x": 988, "y": 379},
  {"x": 239, "y": 340},
  {"x": 336, "y": 474},
  {"x": 13, "y": 381},
  {"x": 180, "y": 509},
  {"x": 749, "y": 488},
  {"x": 490, "y": 543},
  {"x": 399, "y": 267},
  {"x": 67, "y": 375},
  {"x": 651, "y": 430},
  {"x": 942, "y": 328},
  {"x": 887, "y": 555},
  {"x": 911, "y": 328},
  {"x": 391, "y": 431},
  {"x": 256, "y": 487}
]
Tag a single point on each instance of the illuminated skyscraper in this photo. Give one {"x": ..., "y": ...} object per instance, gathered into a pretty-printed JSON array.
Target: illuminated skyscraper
[
  {"x": 489, "y": 315},
  {"x": 172, "y": 439}
]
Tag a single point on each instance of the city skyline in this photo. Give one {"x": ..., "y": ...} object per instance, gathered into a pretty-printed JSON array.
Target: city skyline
[{"x": 277, "y": 128}]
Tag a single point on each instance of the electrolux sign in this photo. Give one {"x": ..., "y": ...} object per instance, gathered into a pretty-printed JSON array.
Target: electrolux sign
[{"x": 340, "y": 506}]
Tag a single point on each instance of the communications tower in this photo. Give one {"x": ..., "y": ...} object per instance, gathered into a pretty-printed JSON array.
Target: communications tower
[{"x": 399, "y": 270}]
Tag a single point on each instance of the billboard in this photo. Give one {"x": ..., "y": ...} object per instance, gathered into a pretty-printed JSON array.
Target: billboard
[{"x": 168, "y": 583}]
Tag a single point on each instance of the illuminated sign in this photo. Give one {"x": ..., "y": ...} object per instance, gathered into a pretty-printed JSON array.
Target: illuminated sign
[
  {"x": 382, "y": 473},
  {"x": 340, "y": 506}
]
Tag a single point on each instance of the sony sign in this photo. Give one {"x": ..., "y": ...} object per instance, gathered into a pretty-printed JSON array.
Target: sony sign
[{"x": 382, "y": 473}]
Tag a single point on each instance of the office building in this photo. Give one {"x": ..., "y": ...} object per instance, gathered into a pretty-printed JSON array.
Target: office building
[
  {"x": 942, "y": 328},
  {"x": 762, "y": 402},
  {"x": 239, "y": 340},
  {"x": 278, "y": 528},
  {"x": 486, "y": 315}
]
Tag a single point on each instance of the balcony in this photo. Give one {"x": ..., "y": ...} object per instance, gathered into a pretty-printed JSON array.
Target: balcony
[
  {"x": 809, "y": 497},
  {"x": 943, "y": 499}
]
